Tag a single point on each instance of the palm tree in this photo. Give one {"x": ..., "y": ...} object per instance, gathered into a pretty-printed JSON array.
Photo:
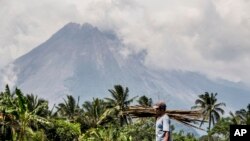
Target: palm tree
[
  {"x": 244, "y": 115},
  {"x": 211, "y": 109},
  {"x": 120, "y": 100},
  {"x": 70, "y": 108},
  {"x": 145, "y": 101},
  {"x": 39, "y": 104},
  {"x": 234, "y": 119},
  {"x": 93, "y": 111}
]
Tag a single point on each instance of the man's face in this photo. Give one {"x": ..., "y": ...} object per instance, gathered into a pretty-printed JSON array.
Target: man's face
[{"x": 158, "y": 111}]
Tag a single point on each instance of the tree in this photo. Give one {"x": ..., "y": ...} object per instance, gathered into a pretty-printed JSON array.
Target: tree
[
  {"x": 211, "y": 109},
  {"x": 181, "y": 136},
  {"x": 141, "y": 130},
  {"x": 120, "y": 99},
  {"x": 105, "y": 134},
  {"x": 24, "y": 116},
  {"x": 244, "y": 115},
  {"x": 67, "y": 131},
  {"x": 93, "y": 111},
  {"x": 69, "y": 108},
  {"x": 41, "y": 105},
  {"x": 15, "y": 107},
  {"x": 6, "y": 114},
  {"x": 145, "y": 101},
  {"x": 235, "y": 119},
  {"x": 209, "y": 138},
  {"x": 222, "y": 128}
]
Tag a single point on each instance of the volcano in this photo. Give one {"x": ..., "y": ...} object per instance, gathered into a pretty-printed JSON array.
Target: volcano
[{"x": 82, "y": 60}]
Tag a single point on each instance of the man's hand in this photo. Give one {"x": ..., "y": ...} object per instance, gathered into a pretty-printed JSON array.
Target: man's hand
[{"x": 166, "y": 136}]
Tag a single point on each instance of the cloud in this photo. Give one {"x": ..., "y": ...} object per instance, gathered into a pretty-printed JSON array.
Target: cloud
[
  {"x": 8, "y": 76},
  {"x": 26, "y": 24},
  {"x": 203, "y": 37},
  {"x": 210, "y": 37}
]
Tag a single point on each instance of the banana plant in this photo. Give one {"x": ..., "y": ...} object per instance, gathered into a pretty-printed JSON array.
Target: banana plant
[{"x": 16, "y": 115}]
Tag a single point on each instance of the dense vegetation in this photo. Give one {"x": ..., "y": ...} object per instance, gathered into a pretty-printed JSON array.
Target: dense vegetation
[{"x": 28, "y": 117}]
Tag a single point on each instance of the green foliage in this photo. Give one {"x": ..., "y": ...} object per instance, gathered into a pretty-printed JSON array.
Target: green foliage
[
  {"x": 67, "y": 131},
  {"x": 38, "y": 106},
  {"x": 244, "y": 115},
  {"x": 143, "y": 130},
  {"x": 7, "y": 112},
  {"x": 209, "y": 138},
  {"x": 119, "y": 102},
  {"x": 17, "y": 117},
  {"x": 27, "y": 118},
  {"x": 145, "y": 101},
  {"x": 211, "y": 110},
  {"x": 180, "y": 136},
  {"x": 93, "y": 111},
  {"x": 69, "y": 108},
  {"x": 105, "y": 134},
  {"x": 36, "y": 135},
  {"x": 222, "y": 129}
]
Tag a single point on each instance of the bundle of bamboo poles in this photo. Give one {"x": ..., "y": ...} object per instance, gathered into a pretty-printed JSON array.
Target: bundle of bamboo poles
[{"x": 183, "y": 116}]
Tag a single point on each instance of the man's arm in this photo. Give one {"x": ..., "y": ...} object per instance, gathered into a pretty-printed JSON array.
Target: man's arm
[
  {"x": 166, "y": 128},
  {"x": 166, "y": 136}
]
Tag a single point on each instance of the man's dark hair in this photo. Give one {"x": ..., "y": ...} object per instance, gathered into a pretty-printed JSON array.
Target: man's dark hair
[{"x": 161, "y": 106}]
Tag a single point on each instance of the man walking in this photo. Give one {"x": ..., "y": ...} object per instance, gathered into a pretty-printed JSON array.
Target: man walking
[{"x": 163, "y": 132}]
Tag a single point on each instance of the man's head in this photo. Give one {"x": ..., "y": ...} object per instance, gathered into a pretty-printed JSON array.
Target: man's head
[{"x": 160, "y": 108}]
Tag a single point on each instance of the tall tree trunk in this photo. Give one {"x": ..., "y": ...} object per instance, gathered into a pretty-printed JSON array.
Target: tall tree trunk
[
  {"x": 121, "y": 121},
  {"x": 209, "y": 126}
]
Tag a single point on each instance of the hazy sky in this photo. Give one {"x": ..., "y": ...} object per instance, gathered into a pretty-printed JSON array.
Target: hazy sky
[{"x": 211, "y": 37}]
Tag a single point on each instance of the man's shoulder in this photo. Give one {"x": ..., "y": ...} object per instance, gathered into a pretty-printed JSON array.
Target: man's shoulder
[{"x": 165, "y": 116}]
